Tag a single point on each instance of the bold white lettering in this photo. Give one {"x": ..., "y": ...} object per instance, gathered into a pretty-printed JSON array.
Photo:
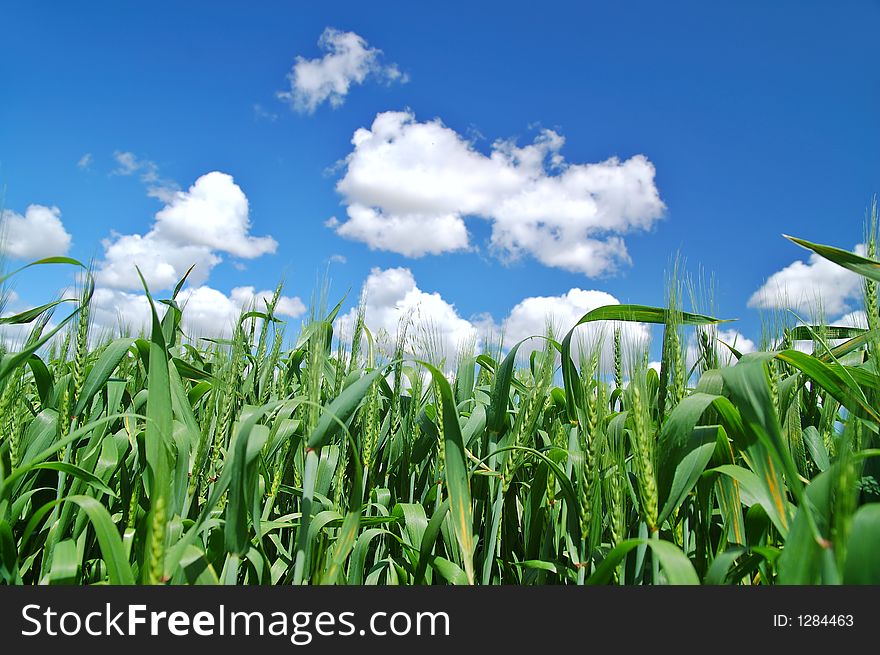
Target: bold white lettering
[
  {"x": 24, "y": 615},
  {"x": 134, "y": 619},
  {"x": 203, "y": 624},
  {"x": 178, "y": 624}
]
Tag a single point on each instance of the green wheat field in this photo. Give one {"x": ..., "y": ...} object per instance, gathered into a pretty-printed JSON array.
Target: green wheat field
[{"x": 276, "y": 458}]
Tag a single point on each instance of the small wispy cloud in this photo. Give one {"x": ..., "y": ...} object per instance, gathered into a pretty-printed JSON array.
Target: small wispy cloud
[
  {"x": 128, "y": 164},
  {"x": 262, "y": 114},
  {"x": 338, "y": 259},
  {"x": 157, "y": 187},
  {"x": 348, "y": 60},
  {"x": 85, "y": 162}
]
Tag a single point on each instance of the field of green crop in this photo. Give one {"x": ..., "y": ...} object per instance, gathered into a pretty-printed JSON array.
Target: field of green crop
[{"x": 310, "y": 459}]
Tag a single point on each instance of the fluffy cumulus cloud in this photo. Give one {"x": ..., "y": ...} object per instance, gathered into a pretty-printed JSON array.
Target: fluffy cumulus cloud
[
  {"x": 436, "y": 329},
  {"x": 347, "y": 60},
  {"x": 737, "y": 340},
  {"x": 118, "y": 312},
  {"x": 429, "y": 235},
  {"x": 12, "y": 336},
  {"x": 857, "y": 319},
  {"x": 213, "y": 213},
  {"x": 207, "y": 312},
  {"x": 195, "y": 227},
  {"x": 162, "y": 263},
  {"x": 534, "y": 315},
  {"x": 392, "y": 299},
  {"x": 815, "y": 286},
  {"x": 36, "y": 234},
  {"x": 408, "y": 187},
  {"x": 719, "y": 337}
]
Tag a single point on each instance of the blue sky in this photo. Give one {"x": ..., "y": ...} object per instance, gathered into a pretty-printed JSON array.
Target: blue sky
[{"x": 755, "y": 119}]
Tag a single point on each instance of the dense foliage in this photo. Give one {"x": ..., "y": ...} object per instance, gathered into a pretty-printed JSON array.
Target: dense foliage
[{"x": 154, "y": 459}]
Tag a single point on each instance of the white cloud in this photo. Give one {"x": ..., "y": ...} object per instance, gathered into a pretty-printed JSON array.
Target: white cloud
[
  {"x": 262, "y": 114},
  {"x": 207, "y": 312},
  {"x": 85, "y": 162},
  {"x": 531, "y": 316},
  {"x": 347, "y": 60},
  {"x": 194, "y": 226},
  {"x": 112, "y": 310},
  {"x": 39, "y": 233},
  {"x": 857, "y": 319},
  {"x": 437, "y": 330},
  {"x": 14, "y": 336},
  {"x": 157, "y": 187},
  {"x": 213, "y": 213},
  {"x": 817, "y": 285},
  {"x": 129, "y": 164},
  {"x": 436, "y": 327},
  {"x": 408, "y": 186},
  {"x": 738, "y": 340},
  {"x": 733, "y": 338},
  {"x": 289, "y": 306},
  {"x": 412, "y": 236},
  {"x": 162, "y": 262}
]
